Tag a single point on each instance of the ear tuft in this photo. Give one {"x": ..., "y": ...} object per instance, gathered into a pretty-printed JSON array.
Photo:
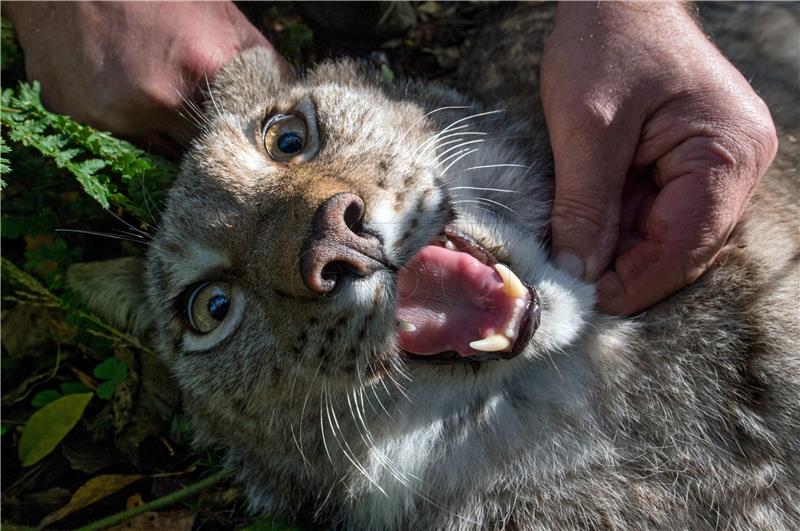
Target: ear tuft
[{"x": 115, "y": 291}]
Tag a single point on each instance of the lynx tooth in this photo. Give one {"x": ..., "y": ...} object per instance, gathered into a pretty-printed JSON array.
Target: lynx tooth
[
  {"x": 493, "y": 343},
  {"x": 511, "y": 283},
  {"x": 405, "y": 326}
]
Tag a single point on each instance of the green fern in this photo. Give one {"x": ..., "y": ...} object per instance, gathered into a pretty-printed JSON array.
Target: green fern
[
  {"x": 99, "y": 162},
  {"x": 5, "y": 167}
]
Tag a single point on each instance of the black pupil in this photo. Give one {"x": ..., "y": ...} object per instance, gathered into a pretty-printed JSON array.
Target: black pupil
[
  {"x": 290, "y": 142},
  {"x": 218, "y": 306}
]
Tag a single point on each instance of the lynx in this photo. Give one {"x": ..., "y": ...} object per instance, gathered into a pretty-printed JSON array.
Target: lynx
[{"x": 351, "y": 284}]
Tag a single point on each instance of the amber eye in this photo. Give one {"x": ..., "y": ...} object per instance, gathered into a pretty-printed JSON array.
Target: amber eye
[
  {"x": 285, "y": 136},
  {"x": 208, "y": 305}
]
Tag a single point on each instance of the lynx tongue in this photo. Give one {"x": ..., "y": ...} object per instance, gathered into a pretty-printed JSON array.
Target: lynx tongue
[{"x": 450, "y": 301}]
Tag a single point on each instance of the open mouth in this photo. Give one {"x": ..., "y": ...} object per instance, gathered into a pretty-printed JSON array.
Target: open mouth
[{"x": 456, "y": 302}]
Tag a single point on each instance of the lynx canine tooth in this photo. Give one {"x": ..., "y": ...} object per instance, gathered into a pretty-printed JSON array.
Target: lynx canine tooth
[
  {"x": 450, "y": 245},
  {"x": 511, "y": 283},
  {"x": 493, "y": 343},
  {"x": 405, "y": 326}
]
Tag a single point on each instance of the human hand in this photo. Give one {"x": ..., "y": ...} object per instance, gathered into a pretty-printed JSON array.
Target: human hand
[
  {"x": 658, "y": 144},
  {"x": 128, "y": 67}
]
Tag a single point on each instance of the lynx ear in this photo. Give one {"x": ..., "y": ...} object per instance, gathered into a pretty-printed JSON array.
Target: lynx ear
[{"x": 115, "y": 291}]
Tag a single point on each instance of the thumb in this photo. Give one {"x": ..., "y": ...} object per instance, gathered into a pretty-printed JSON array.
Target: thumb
[{"x": 592, "y": 159}]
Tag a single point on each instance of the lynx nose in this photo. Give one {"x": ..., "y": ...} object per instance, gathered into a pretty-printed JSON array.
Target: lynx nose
[{"x": 338, "y": 246}]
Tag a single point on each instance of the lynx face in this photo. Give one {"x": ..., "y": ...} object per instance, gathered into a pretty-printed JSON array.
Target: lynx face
[{"x": 328, "y": 237}]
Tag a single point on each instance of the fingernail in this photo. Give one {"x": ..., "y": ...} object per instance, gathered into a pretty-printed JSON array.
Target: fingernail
[{"x": 570, "y": 263}]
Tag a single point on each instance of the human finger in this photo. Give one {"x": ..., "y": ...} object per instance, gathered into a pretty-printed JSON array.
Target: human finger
[
  {"x": 686, "y": 228},
  {"x": 592, "y": 150}
]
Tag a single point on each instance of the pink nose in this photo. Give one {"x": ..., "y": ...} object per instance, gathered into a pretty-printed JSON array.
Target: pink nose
[{"x": 338, "y": 246}]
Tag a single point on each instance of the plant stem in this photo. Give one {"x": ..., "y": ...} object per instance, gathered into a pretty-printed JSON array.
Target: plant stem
[{"x": 163, "y": 501}]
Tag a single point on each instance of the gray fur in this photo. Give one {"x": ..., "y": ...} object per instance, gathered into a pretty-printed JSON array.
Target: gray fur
[
  {"x": 684, "y": 417},
  {"x": 114, "y": 289}
]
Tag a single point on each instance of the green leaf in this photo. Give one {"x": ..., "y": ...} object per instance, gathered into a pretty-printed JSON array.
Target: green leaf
[
  {"x": 42, "y": 398},
  {"x": 48, "y": 426},
  {"x": 73, "y": 387},
  {"x": 106, "y": 390},
  {"x": 3, "y": 430},
  {"x": 387, "y": 75},
  {"x": 111, "y": 369}
]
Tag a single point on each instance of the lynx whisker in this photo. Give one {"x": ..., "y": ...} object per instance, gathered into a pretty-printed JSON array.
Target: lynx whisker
[
  {"x": 211, "y": 96},
  {"x": 369, "y": 370},
  {"x": 493, "y": 202},
  {"x": 489, "y": 166},
  {"x": 457, "y": 140},
  {"x": 435, "y": 142},
  {"x": 369, "y": 442},
  {"x": 440, "y": 141},
  {"x": 373, "y": 388},
  {"x": 193, "y": 120},
  {"x": 147, "y": 201},
  {"x": 346, "y": 450},
  {"x": 470, "y": 152},
  {"x": 400, "y": 367},
  {"x": 106, "y": 235},
  {"x": 195, "y": 115},
  {"x": 477, "y": 204},
  {"x": 458, "y": 146},
  {"x": 431, "y": 139},
  {"x": 397, "y": 384},
  {"x": 301, "y": 417},
  {"x": 472, "y": 116},
  {"x": 299, "y": 446},
  {"x": 451, "y": 157},
  {"x": 323, "y": 392},
  {"x": 429, "y": 113},
  {"x": 500, "y": 190},
  {"x": 449, "y": 128},
  {"x": 133, "y": 228}
]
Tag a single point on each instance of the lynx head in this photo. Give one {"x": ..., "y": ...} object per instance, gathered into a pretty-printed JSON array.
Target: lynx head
[{"x": 333, "y": 233}]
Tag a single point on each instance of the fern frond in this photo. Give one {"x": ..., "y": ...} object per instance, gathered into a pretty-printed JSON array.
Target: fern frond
[{"x": 84, "y": 151}]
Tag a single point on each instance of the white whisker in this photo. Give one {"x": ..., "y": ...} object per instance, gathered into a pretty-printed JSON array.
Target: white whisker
[
  {"x": 461, "y": 145},
  {"x": 211, "y": 96},
  {"x": 501, "y": 190},
  {"x": 488, "y": 166},
  {"x": 455, "y": 107},
  {"x": 444, "y": 171},
  {"x": 437, "y": 141},
  {"x": 487, "y": 201},
  {"x": 478, "y": 115},
  {"x": 135, "y": 229},
  {"x": 103, "y": 235}
]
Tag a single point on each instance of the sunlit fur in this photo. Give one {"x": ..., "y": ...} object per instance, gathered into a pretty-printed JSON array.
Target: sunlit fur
[{"x": 684, "y": 417}]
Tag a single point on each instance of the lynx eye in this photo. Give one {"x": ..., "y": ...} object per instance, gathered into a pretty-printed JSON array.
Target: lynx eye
[
  {"x": 285, "y": 136},
  {"x": 208, "y": 305}
]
